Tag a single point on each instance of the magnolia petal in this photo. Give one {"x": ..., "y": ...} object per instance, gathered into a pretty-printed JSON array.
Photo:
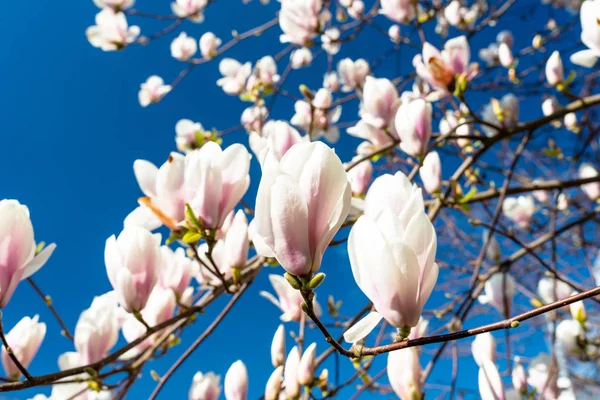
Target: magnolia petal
[
  {"x": 38, "y": 262},
  {"x": 145, "y": 173},
  {"x": 362, "y": 328},
  {"x": 584, "y": 58}
]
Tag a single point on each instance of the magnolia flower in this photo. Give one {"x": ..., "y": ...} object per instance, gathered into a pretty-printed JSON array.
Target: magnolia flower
[
  {"x": 301, "y": 203},
  {"x": 352, "y": 73},
  {"x": 278, "y": 347},
  {"x": 331, "y": 81},
  {"x": 500, "y": 113},
  {"x": 163, "y": 188},
  {"x": 97, "y": 329},
  {"x": 187, "y": 132},
  {"x": 568, "y": 333},
  {"x": 236, "y": 242},
  {"x": 177, "y": 270},
  {"x": 570, "y": 121},
  {"x": 431, "y": 172},
  {"x": 398, "y": 10},
  {"x": 318, "y": 121},
  {"x": 18, "y": 258},
  {"x": 299, "y": 20},
  {"x": 289, "y": 300},
  {"x": 273, "y": 387},
  {"x": 519, "y": 378},
  {"x": 236, "y": 382},
  {"x": 505, "y": 55},
  {"x": 215, "y": 181},
  {"x": 116, "y": 5},
  {"x": 111, "y": 31},
  {"x": 392, "y": 254},
  {"x": 554, "y": 69},
  {"x": 75, "y": 390},
  {"x": 413, "y": 124},
  {"x": 234, "y": 75},
  {"x": 549, "y": 106},
  {"x": 356, "y": 9},
  {"x": 590, "y": 34},
  {"x": 543, "y": 376},
  {"x": 441, "y": 69},
  {"x": 306, "y": 368},
  {"x": 24, "y": 340},
  {"x": 404, "y": 373},
  {"x": 577, "y": 310},
  {"x": 450, "y": 123},
  {"x": 219, "y": 260},
  {"x": 483, "y": 348},
  {"x": 153, "y": 90},
  {"x": 132, "y": 261},
  {"x": 183, "y": 47},
  {"x": 499, "y": 290},
  {"x": 374, "y": 138},
  {"x": 208, "y": 45},
  {"x": 330, "y": 41},
  {"x": 453, "y": 13},
  {"x": 277, "y": 136},
  {"x": 551, "y": 290},
  {"x": 190, "y": 9},
  {"x": 493, "y": 250},
  {"x": 394, "y": 33},
  {"x": 266, "y": 71},
  {"x": 380, "y": 102},
  {"x": 420, "y": 330},
  {"x": 490, "y": 382},
  {"x": 205, "y": 387},
  {"x": 290, "y": 380},
  {"x": 253, "y": 118},
  {"x": 300, "y": 58},
  {"x": 519, "y": 209},
  {"x": 360, "y": 176},
  {"x": 592, "y": 189}
]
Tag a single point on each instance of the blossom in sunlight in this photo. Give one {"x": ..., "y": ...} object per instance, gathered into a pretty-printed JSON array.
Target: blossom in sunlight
[
  {"x": 300, "y": 58},
  {"x": 493, "y": 251},
  {"x": 360, "y": 176},
  {"x": 306, "y": 368},
  {"x": 111, "y": 31},
  {"x": 24, "y": 339},
  {"x": 234, "y": 74},
  {"x": 18, "y": 258},
  {"x": 236, "y": 241},
  {"x": 190, "y": 9},
  {"x": 502, "y": 113},
  {"x": 413, "y": 125},
  {"x": 153, "y": 90},
  {"x": 183, "y": 47},
  {"x": 398, "y": 10},
  {"x": 163, "y": 187},
  {"x": 454, "y": 125},
  {"x": 289, "y": 300},
  {"x": 299, "y": 20},
  {"x": 543, "y": 376},
  {"x": 483, "y": 348},
  {"x": 442, "y": 69},
  {"x": 75, "y": 390},
  {"x": 374, "y": 138},
  {"x": 277, "y": 136},
  {"x": 491, "y": 54},
  {"x": 380, "y": 102},
  {"x": 301, "y": 203},
  {"x": 215, "y": 181},
  {"x": 590, "y": 34},
  {"x": 420, "y": 330},
  {"x": 568, "y": 334},
  {"x": 519, "y": 210},
  {"x": 205, "y": 387},
  {"x": 499, "y": 291},
  {"x": 431, "y": 172},
  {"x": 490, "y": 381},
  {"x": 551, "y": 290},
  {"x": 353, "y": 73},
  {"x": 404, "y": 373},
  {"x": 177, "y": 270},
  {"x": 592, "y": 189},
  {"x": 290, "y": 379},
  {"x": 318, "y": 119},
  {"x": 220, "y": 263},
  {"x": 519, "y": 377},
  {"x": 186, "y": 132},
  {"x": 97, "y": 329},
  {"x": 278, "y": 347},
  {"x": 209, "y": 43},
  {"x": 331, "y": 81},
  {"x": 266, "y": 71},
  {"x": 505, "y": 55},
  {"x": 116, "y": 5},
  {"x": 554, "y": 69},
  {"x": 330, "y": 41},
  {"x": 273, "y": 386},
  {"x": 253, "y": 118},
  {"x": 132, "y": 260},
  {"x": 394, "y": 33},
  {"x": 392, "y": 250},
  {"x": 236, "y": 382}
]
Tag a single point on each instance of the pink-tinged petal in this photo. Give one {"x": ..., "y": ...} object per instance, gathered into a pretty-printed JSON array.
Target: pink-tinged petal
[
  {"x": 428, "y": 283},
  {"x": 290, "y": 380},
  {"x": 38, "y": 262},
  {"x": 490, "y": 382},
  {"x": 399, "y": 287},
  {"x": 584, "y": 58},
  {"x": 125, "y": 289},
  {"x": 145, "y": 173},
  {"x": 143, "y": 217},
  {"x": 289, "y": 216},
  {"x": 362, "y": 328},
  {"x": 112, "y": 259},
  {"x": 420, "y": 236},
  {"x": 458, "y": 54},
  {"x": 429, "y": 52}
]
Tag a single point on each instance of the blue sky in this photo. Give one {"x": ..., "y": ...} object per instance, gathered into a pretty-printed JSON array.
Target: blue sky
[{"x": 72, "y": 127}]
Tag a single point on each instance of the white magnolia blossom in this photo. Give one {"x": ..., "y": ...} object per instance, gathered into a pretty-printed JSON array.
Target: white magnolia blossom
[
  {"x": 111, "y": 31},
  {"x": 153, "y": 90}
]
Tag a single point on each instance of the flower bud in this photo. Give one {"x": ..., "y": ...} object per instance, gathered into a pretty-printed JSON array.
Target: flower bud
[
  {"x": 278, "y": 347},
  {"x": 554, "y": 69},
  {"x": 273, "y": 387},
  {"x": 205, "y": 387},
  {"x": 290, "y": 380},
  {"x": 209, "y": 44},
  {"x": 236, "y": 382},
  {"x": 24, "y": 340},
  {"x": 431, "y": 172},
  {"x": 306, "y": 368}
]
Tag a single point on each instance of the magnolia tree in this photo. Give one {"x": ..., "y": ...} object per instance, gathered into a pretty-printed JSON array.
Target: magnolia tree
[{"x": 470, "y": 206}]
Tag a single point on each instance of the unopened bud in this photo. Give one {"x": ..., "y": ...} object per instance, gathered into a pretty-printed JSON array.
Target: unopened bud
[
  {"x": 316, "y": 281},
  {"x": 292, "y": 280}
]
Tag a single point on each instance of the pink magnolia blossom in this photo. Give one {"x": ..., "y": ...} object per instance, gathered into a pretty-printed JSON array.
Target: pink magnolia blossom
[
  {"x": 551, "y": 290},
  {"x": 420, "y": 330},
  {"x": 570, "y": 121},
  {"x": 301, "y": 203},
  {"x": 519, "y": 377},
  {"x": 190, "y": 9},
  {"x": 132, "y": 261},
  {"x": 457, "y": 126},
  {"x": 454, "y": 13},
  {"x": 273, "y": 386},
  {"x": 413, "y": 125},
  {"x": 360, "y": 176},
  {"x": 404, "y": 373},
  {"x": 205, "y": 387},
  {"x": 234, "y": 74},
  {"x": 177, "y": 270},
  {"x": 499, "y": 290},
  {"x": 380, "y": 102},
  {"x": 554, "y": 69},
  {"x": 186, "y": 132},
  {"x": 301, "y": 57},
  {"x": 398, "y": 10},
  {"x": 219, "y": 257},
  {"x": 318, "y": 119},
  {"x": 331, "y": 81},
  {"x": 116, "y": 5},
  {"x": 152, "y": 91},
  {"x": 237, "y": 241},
  {"x": 183, "y": 47},
  {"x": 440, "y": 69},
  {"x": 330, "y": 41},
  {"x": 503, "y": 112},
  {"x": 24, "y": 339},
  {"x": 352, "y": 73},
  {"x": 299, "y": 20},
  {"x": 215, "y": 181},
  {"x": 111, "y": 31},
  {"x": 75, "y": 390},
  {"x": 544, "y": 377},
  {"x": 163, "y": 187},
  {"x": 278, "y": 347},
  {"x": 505, "y": 55},
  {"x": 306, "y": 368},
  {"x": 483, "y": 348},
  {"x": 236, "y": 382},
  {"x": 97, "y": 329},
  {"x": 266, "y": 71},
  {"x": 592, "y": 190},
  {"x": 209, "y": 44},
  {"x": 277, "y": 136},
  {"x": 289, "y": 300},
  {"x": 590, "y": 34},
  {"x": 290, "y": 380},
  {"x": 490, "y": 382},
  {"x": 568, "y": 333},
  {"x": 253, "y": 118},
  {"x": 431, "y": 172},
  {"x": 394, "y": 33},
  {"x": 18, "y": 258},
  {"x": 374, "y": 138},
  {"x": 519, "y": 209}
]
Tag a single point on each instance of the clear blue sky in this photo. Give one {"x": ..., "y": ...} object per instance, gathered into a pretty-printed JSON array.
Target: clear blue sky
[{"x": 72, "y": 127}]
